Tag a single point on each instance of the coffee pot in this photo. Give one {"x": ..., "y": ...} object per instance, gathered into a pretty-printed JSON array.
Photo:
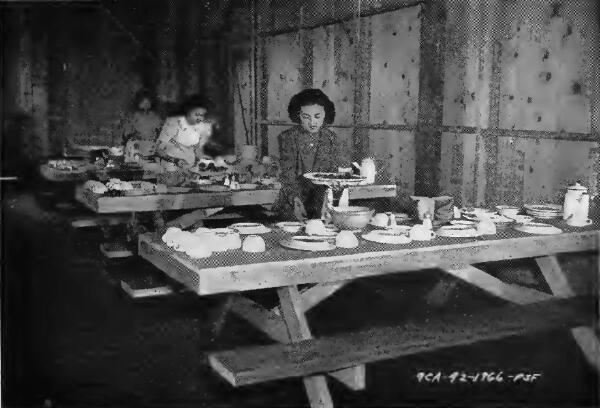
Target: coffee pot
[
  {"x": 576, "y": 205},
  {"x": 367, "y": 169}
]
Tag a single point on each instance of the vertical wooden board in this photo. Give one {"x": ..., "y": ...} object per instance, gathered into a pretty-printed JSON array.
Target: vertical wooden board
[
  {"x": 395, "y": 67},
  {"x": 451, "y": 165},
  {"x": 459, "y": 163},
  {"x": 552, "y": 165},
  {"x": 582, "y": 15},
  {"x": 333, "y": 66},
  {"x": 481, "y": 169},
  {"x": 470, "y": 168},
  {"x": 39, "y": 96},
  {"x": 542, "y": 84},
  {"x": 394, "y": 154},
  {"x": 273, "y": 132},
  {"x": 283, "y": 66},
  {"x": 242, "y": 102},
  {"x": 509, "y": 172},
  {"x": 467, "y": 65}
]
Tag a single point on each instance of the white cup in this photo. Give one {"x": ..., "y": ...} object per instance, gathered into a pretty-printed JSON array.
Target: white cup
[
  {"x": 315, "y": 227},
  {"x": 420, "y": 233}
]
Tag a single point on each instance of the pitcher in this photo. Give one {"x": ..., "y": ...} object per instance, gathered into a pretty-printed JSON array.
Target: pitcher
[
  {"x": 573, "y": 200},
  {"x": 367, "y": 169}
]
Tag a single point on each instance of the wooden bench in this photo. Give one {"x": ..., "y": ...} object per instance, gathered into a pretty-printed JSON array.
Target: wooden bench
[{"x": 321, "y": 355}]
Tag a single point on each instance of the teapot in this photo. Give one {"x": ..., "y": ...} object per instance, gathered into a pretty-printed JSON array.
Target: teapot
[
  {"x": 367, "y": 169},
  {"x": 576, "y": 205}
]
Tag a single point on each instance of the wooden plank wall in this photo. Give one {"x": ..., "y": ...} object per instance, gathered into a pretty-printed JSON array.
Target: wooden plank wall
[
  {"x": 520, "y": 100},
  {"x": 368, "y": 66},
  {"x": 82, "y": 90}
]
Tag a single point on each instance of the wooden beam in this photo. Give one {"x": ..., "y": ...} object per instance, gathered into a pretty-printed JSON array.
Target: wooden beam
[
  {"x": 95, "y": 221},
  {"x": 314, "y": 295},
  {"x": 265, "y": 320},
  {"x": 510, "y": 292},
  {"x": 265, "y": 363},
  {"x": 559, "y": 285},
  {"x": 297, "y": 326},
  {"x": 115, "y": 250}
]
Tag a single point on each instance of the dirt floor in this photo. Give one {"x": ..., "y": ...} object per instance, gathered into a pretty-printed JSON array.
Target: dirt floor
[{"x": 71, "y": 337}]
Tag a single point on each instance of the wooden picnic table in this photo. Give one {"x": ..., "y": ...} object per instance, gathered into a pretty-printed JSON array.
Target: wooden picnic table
[
  {"x": 204, "y": 204},
  {"x": 343, "y": 356}
]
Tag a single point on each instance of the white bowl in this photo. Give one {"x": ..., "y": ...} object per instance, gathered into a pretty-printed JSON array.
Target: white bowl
[
  {"x": 315, "y": 227},
  {"x": 254, "y": 244},
  {"x": 290, "y": 226},
  {"x": 351, "y": 217},
  {"x": 346, "y": 239}
]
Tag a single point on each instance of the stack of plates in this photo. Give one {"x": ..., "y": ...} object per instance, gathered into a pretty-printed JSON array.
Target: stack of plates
[{"x": 544, "y": 211}]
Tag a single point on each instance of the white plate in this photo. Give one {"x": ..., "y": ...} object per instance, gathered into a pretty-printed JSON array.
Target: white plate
[
  {"x": 306, "y": 245},
  {"x": 544, "y": 207},
  {"x": 475, "y": 211},
  {"x": 538, "y": 228},
  {"x": 463, "y": 222},
  {"x": 458, "y": 231},
  {"x": 496, "y": 219},
  {"x": 246, "y": 228},
  {"x": 398, "y": 229},
  {"x": 522, "y": 219},
  {"x": 387, "y": 237},
  {"x": 329, "y": 179}
]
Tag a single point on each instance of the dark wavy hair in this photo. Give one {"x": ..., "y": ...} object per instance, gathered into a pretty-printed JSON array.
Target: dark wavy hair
[
  {"x": 144, "y": 94},
  {"x": 311, "y": 97},
  {"x": 196, "y": 101}
]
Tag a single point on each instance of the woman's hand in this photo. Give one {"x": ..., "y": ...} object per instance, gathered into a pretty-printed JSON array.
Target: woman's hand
[{"x": 299, "y": 210}]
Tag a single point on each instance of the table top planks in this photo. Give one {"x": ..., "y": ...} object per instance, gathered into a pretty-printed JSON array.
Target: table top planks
[
  {"x": 236, "y": 271},
  {"x": 196, "y": 200}
]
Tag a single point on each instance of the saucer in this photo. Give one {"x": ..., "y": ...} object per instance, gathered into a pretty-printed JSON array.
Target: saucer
[
  {"x": 588, "y": 222},
  {"x": 538, "y": 228},
  {"x": 290, "y": 226},
  {"x": 306, "y": 243},
  {"x": 246, "y": 228},
  {"x": 387, "y": 237}
]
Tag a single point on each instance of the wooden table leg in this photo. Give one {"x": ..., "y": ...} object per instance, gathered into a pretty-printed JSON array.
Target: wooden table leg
[
  {"x": 441, "y": 292},
  {"x": 559, "y": 285},
  {"x": 297, "y": 326},
  {"x": 220, "y": 318},
  {"x": 159, "y": 223}
]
